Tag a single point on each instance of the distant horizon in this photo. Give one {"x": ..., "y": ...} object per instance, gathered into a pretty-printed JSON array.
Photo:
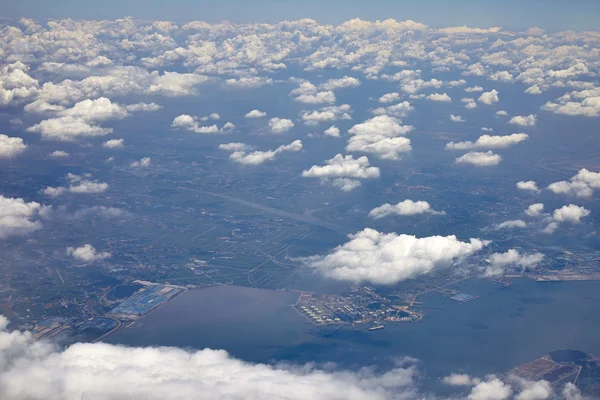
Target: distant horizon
[{"x": 513, "y": 15}]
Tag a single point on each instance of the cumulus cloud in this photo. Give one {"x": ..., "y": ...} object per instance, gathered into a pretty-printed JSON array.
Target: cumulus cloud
[
  {"x": 317, "y": 98},
  {"x": 332, "y": 131},
  {"x": 143, "y": 163},
  {"x": 379, "y": 136},
  {"x": 442, "y": 97},
  {"x": 11, "y": 146},
  {"x": 83, "y": 184},
  {"x": 489, "y": 142},
  {"x": 580, "y": 185},
  {"x": 255, "y": 114},
  {"x": 529, "y": 120},
  {"x": 54, "y": 191},
  {"x": 87, "y": 253},
  {"x": 248, "y": 82},
  {"x": 479, "y": 159},
  {"x": 67, "y": 129},
  {"x": 511, "y": 224},
  {"x": 405, "y": 208},
  {"x": 114, "y": 144},
  {"x": 457, "y": 118},
  {"x": 570, "y": 213},
  {"x": 528, "y": 185},
  {"x": 18, "y": 217},
  {"x": 469, "y": 102},
  {"x": 389, "y": 97},
  {"x": 325, "y": 114},
  {"x": 388, "y": 258},
  {"x": 59, "y": 154},
  {"x": 241, "y": 154},
  {"x": 381, "y": 125},
  {"x": 190, "y": 123},
  {"x": 399, "y": 110},
  {"x": 498, "y": 262},
  {"x": 474, "y": 89},
  {"x": 36, "y": 369},
  {"x": 280, "y": 125},
  {"x": 489, "y": 98},
  {"x": 343, "y": 171},
  {"x": 534, "y": 210},
  {"x": 346, "y": 81}
]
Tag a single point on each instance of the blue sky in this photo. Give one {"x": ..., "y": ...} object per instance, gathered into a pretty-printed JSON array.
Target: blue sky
[{"x": 551, "y": 15}]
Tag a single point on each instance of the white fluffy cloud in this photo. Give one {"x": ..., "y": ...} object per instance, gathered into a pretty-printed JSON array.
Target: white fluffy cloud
[
  {"x": 498, "y": 262},
  {"x": 457, "y": 118},
  {"x": 528, "y": 120},
  {"x": 442, "y": 97},
  {"x": 388, "y": 258},
  {"x": 479, "y": 159},
  {"x": 405, "y": 208},
  {"x": 399, "y": 110},
  {"x": 379, "y": 136},
  {"x": 114, "y": 144},
  {"x": 241, "y": 154},
  {"x": 18, "y": 217},
  {"x": 346, "y": 81},
  {"x": 59, "y": 154},
  {"x": 255, "y": 114},
  {"x": 343, "y": 171},
  {"x": 11, "y": 146},
  {"x": 389, "y": 97},
  {"x": 469, "y": 102},
  {"x": 325, "y": 114},
  {"x": 489, "y": 142},
  {"x": 190, "y": 123},
  {"x": 534, "y": 210},
  {"x": 511, "y": 224},
  {"x": 280, "y": 125},
  {"x": 87, "y": 253},
  {"x": 489, "y": 98},
  {"x": 580, "y": 185},
  {"x": 83, "y": 184},
  {"x": 143, "y": 163},
  {"x": 326, "y": 97},
  {"x": 67, "y": 129},
  {"x": 332, "y": 131},
  {"x": 474, "y": 89},
  {"x": 570, "y": 213},
  {"x": 528, "y": 185},
  {"x": 248, "y": 82},
  {"x": 381, "y": 125},
  {"x": 54, "y": 191}
]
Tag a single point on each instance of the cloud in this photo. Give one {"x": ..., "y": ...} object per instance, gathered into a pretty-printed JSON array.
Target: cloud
[
  {"x": 570, "y": 213},
  {"x": 517, "y": 223},
  {"x": 389, "y": 258},
  {"x": 535, "y": 90},
  {"x": 241, "y": 156},
  {"x": 67, "y": 129},
  {"x": 529, "y": 120},
  {"x": 442, "y": 97},
  {"x": 343, "y": 171},
  {"x": 528, "y": 185},
  {"x": 190, "y": 123},
  {"x": 11, "y": 146},
  {"x": 493, "y": 389},
  {"x": 173, "y": 84},
  {"x": 102, "y": 211},
  {"x": 581, "y": 185},
  {"x": 381, "y": 125},
  {"x": 54, "y": 191},
  {"x": 500, "y": 261},
  {"x": 59, "y": 154},
  {"x": 36, "y": 370},
  {"x": 489, "y": 98},
  {"x": 87, "y": 253},
  {"x": 18, "y": 217},
  {"x": 332, "y": 131},
  {"x": 235, "y": 146},
  {"x": 469, "y": 102},
  {"x": 329, "y": 113},
  {"x": 83, "y": 185},
  {"x": 114, "y": 144},
  {"x": 317, "y": 98},
  {"x": 280, "y": 125},
  {"x": 457, "y": 118},
  {"x": 399, "y": 110},
  {"x": 346, "y": 81},
  {"x": 502, "y": 76},
  {"x": 474, "y": 89},
  {"x": 255, "y": 114},
  {"x": 143, "y": 163},
  {"x": 389, "y": 97},
  {"x": 405, "y": 208},
  {"x": 479, "y": 159},
  {"x": 501, "y": 113},
  {"x": 460, "y": 380},
  {"x": 489, "y": 142},
  {"x": 534, "y": 210},
  {"x": 248, "y": 82}
]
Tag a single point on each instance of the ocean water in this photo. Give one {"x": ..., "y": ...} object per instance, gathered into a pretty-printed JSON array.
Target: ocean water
[{"x": 487, "y": 335}]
